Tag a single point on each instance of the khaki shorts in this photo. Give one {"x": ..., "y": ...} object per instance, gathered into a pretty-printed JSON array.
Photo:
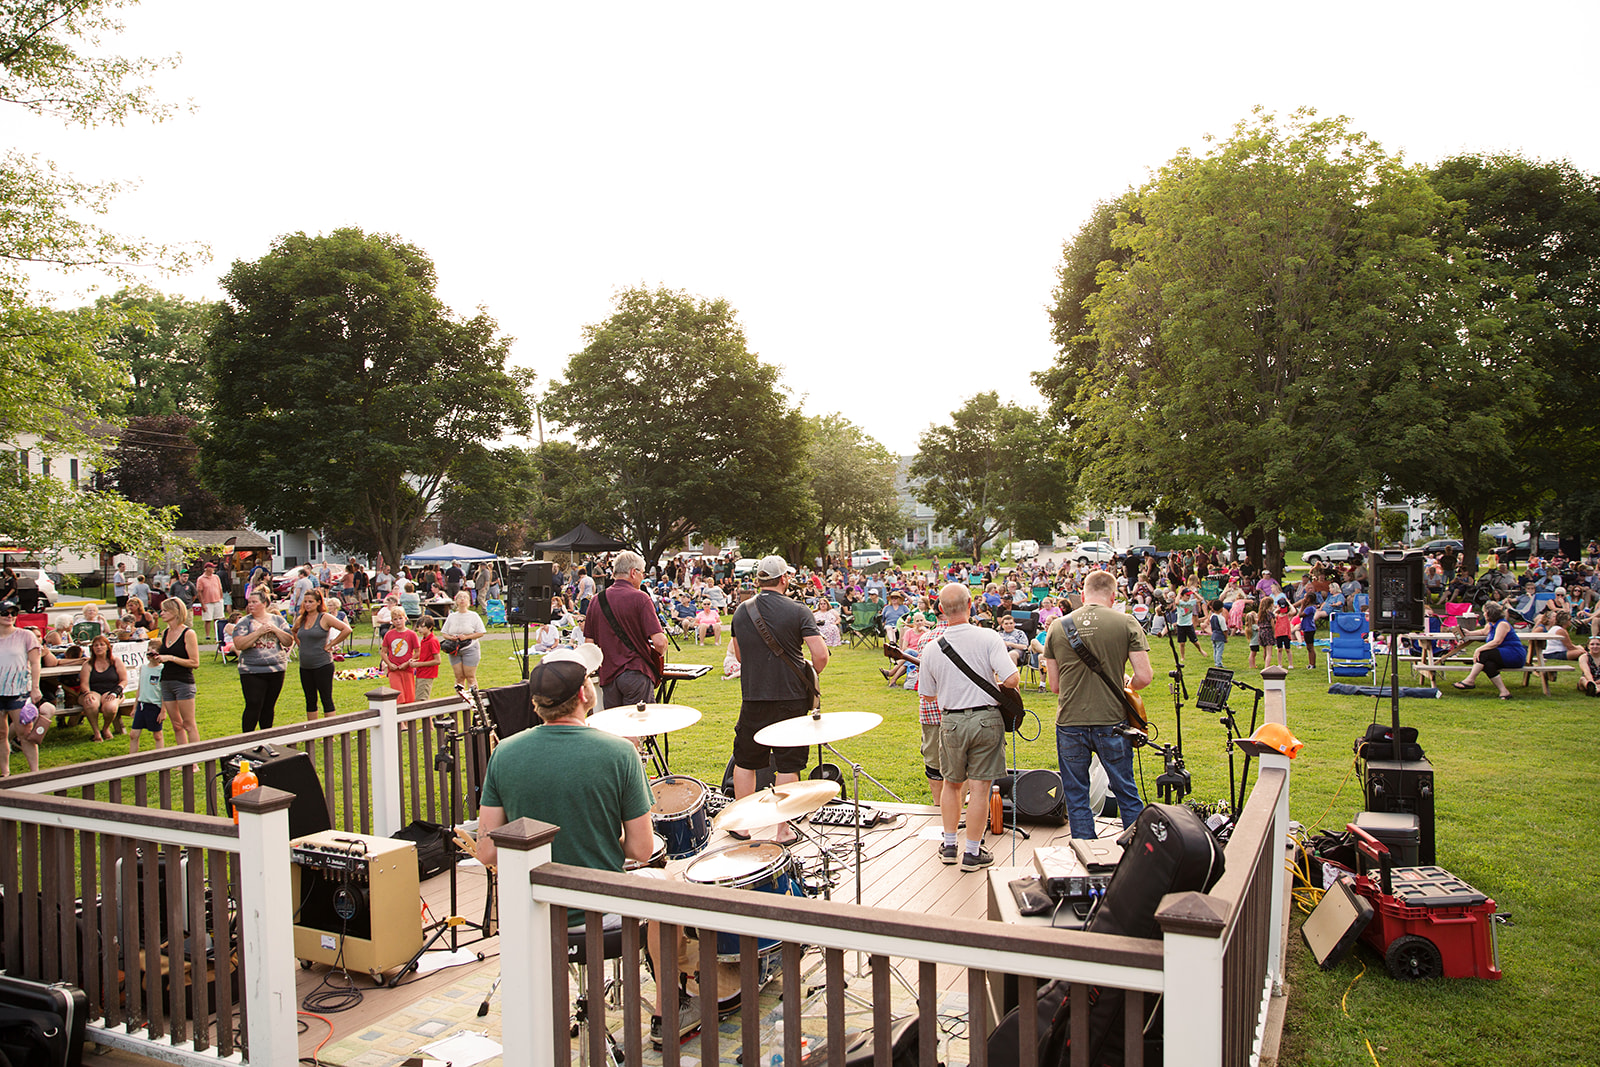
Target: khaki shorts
[
  {"x": 211, "y": 612},
  {"x": 972, "y": 746}
]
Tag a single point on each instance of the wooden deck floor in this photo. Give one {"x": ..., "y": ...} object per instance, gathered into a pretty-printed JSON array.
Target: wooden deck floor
[{"x": 900, "y": 870}]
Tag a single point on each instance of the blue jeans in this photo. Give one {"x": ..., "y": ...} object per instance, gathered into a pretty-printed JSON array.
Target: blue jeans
[
  {"x": 1074, "y": 746},
  {"x": 1219, "y": 645}
]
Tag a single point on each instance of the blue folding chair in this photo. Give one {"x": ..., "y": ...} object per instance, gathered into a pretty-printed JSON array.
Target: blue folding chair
[
  {"x": 1349, "y": 651},
  {"x": 496, "y": 612}
]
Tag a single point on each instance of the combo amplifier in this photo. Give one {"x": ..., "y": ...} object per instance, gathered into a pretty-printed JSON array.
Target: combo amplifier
[
  {"x": 1404, "y": 787},
  {"x": 1034, "y": 796},
  {"x": 356, "y": 901}
]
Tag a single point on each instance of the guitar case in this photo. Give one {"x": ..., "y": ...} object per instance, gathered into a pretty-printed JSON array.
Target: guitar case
[
  {"x": 42, "y": 1025},
  {"x": 1168, "y": 850}
]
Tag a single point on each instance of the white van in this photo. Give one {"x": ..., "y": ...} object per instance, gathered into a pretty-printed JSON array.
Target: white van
[
  {"x": 1024, "y": 549},
  {"x": 862, "y": 558}
]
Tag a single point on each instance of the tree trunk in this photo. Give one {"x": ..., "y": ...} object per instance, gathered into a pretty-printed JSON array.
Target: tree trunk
[
  {"x": 1471, "y": 522},
  {"x": 1274, "y": 553}
]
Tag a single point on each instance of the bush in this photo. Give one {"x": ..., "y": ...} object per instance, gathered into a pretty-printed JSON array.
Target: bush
[{"x": 1303, "y": 542}]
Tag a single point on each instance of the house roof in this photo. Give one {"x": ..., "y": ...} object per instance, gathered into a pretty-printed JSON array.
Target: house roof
[{"x": 241, "y": 538}]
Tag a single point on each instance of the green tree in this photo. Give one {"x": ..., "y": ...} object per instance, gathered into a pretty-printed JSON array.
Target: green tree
[
  {"x": 994, "y": 466},
  {"x": 1283, "y": 330},
  {"x": 346, "y": 393},
  {"x": 162, "y": 345},
  {"x": 54, "y": 66},
  {"x": 490, "y": 498},
  {"x": 852, "y": 486},
  {"x": 1535, "y": 227},
  {"x": 572, "y": 487},
  {"x": 690, "y": 427}
]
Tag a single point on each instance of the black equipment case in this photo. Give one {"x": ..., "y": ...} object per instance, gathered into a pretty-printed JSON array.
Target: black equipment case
[
  {"x": 41, "y": 1025},
  {"x": 1168, "y": 850}
]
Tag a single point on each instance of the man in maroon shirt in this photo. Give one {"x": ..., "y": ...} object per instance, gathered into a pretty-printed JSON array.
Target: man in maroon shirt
[{"x": 623, "y": 622}]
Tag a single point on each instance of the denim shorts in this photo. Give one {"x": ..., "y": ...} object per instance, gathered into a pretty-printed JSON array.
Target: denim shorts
[{"x": 171, "y": 691}]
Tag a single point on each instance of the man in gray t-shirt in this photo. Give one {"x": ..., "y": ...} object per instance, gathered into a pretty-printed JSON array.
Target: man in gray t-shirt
[{"x": 972, "y": 737}]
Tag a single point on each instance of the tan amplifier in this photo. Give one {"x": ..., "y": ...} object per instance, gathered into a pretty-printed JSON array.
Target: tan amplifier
[{"x": 357, "y": 901}]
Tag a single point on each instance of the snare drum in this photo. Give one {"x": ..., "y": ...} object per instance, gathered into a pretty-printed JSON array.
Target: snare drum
[
  {"x": 760, "y": 866},
  {"x": 658, "y": 855},
  {"x": 678, "y": 813}
]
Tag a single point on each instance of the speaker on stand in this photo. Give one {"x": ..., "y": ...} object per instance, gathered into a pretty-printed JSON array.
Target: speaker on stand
[
  {"x": 528, "y": 597},
  {"x": 1399, "y": 785}
]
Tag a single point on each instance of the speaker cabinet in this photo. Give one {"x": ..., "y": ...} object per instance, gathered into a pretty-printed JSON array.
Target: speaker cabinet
[
  {"x": 356, "y": 901},
  {"x": 1397, "y": 591},
  {"x": 528, "y": 592},
  {"x": 1405, "y": 787},
  {"x": 287, "y": 769},
  {"x": 1035, "y": 795}
]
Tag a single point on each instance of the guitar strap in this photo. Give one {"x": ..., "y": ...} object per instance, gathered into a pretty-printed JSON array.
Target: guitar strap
[
  {"x": 1092, "y": 661},
  {"x": 622, "y": 635},
  {"x": 811, "y": 683}
]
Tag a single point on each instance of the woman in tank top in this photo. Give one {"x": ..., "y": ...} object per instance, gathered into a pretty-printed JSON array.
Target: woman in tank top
[
  {"x": 318, "y": 633},
  {"x": 102, "y": 681},
  {"x": 178, "y": 655}
]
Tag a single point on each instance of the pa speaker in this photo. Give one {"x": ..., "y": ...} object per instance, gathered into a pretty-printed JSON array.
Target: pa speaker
[
  {"x": 1397, "y": 591},
  {"x": 1035, "y": 795},
  {"x": 291, "y": 771},
  {"x": 528, "y": 592}
]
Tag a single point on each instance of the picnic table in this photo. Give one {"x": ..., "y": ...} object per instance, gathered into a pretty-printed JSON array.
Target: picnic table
[{"x": 1430, "y": 663}]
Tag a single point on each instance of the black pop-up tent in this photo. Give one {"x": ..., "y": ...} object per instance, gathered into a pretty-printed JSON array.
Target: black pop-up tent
[{"x": 580, "y": 539}]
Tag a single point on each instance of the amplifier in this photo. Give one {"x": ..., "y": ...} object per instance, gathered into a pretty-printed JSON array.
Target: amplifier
[
  {"x": 1035, "y": 795},
  {"x": 1404, "y": 787},
  {"x": 287, "y": 769},
  {"x": 1064, "y": 875},
  {"x": 357, "y": 901}
]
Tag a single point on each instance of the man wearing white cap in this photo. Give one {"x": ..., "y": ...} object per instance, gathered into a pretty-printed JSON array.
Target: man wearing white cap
[{"x": 776, "y": 685}]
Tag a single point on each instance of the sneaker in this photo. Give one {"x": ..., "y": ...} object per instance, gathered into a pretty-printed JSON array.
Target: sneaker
[
  {"x": 688, "y": 1020},
  {"x": 969, "y": 862},
  {"x": 947, "y": 853}
]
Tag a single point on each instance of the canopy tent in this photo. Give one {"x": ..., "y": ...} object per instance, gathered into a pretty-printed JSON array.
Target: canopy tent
[
  {"x": 449, "y": 553},
  {"x": 580, "y": 539}
]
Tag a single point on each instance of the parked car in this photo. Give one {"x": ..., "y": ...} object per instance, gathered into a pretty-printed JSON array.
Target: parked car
[
  {"x": 1024, "y": 549},
  {"x": 1334, "y": 552},
  {"x": 1436, "y": 546},
  {"x": 745, "y": 566},
  {"x": 36, "y": 590},
  {"x": 1518, "y": 553},
  {"x": 1141, "y": 552},
  {"x": 1094, "y": 552},
  {"x": 863, "y": 558}
]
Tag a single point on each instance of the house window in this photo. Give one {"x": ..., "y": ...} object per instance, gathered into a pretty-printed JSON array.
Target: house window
[
  {"x": 311, "y": 549},
  {"x": 22, "y": 458},
  {"x": 72, "y": 468},
  {"x": 44, "y": 466},
  {"x": 1141, "y": 531}
]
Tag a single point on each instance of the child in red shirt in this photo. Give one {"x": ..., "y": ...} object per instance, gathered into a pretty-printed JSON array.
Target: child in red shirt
[
  {"x": 400, "y": 649},
  {"x": 427, "y": 662},
  {"x": 1282, "y": 634}
]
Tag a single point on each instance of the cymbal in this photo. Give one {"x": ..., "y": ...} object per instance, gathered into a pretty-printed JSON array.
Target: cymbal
[
  {"x": 778, "y": 804},
  {"x": 817, "y": 729},
  {"x": 644, "y": 720}
]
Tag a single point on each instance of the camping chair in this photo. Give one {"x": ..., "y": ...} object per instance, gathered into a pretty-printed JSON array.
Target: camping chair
[
  {"x": 496, "y": 612},
  {"x": 1210, "y": 589},
  {"x": 1037, "y": 594},
  {"x": 84, "y": 632},
  {"x": 1349, "y": 652},
  {"x": 865, "y": 622}
]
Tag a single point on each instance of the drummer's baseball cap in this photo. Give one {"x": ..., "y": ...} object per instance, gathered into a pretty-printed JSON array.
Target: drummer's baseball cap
[
  {"x": 553, "y": 684},
  {"x": 772, "y": 567}
]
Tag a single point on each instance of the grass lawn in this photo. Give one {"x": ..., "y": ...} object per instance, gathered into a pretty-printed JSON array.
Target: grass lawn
[{"x": 1513, "y": 819}]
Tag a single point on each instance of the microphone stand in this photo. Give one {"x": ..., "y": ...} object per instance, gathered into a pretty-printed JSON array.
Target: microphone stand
[{"x": 1180, "y": 692}]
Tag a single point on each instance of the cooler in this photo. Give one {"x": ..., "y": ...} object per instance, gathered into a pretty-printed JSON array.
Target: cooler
[{"x": 1401, "y": 833}]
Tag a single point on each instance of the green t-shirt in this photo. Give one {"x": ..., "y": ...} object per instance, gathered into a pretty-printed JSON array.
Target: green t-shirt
[
  {"x": 1085, "y": 700},
  {"x": 583, "y": 780}
]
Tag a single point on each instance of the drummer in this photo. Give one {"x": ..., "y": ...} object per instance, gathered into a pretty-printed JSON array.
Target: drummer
[
  {"x": 598, "y": 790},
  {"x": 773, "y": 688}
]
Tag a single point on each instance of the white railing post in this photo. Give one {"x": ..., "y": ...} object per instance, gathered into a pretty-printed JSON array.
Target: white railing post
[
  {"x": 386, "y": 810},
  {"x": 1191, "y": 929},
  {"x": 266, "y": 927},
  {"x": 1277, "y": 710},
  {"x": 528, "y": 1032}
]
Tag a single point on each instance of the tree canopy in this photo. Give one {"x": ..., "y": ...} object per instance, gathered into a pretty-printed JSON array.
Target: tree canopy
[
  {"x": 346, "y": 393},
  {"x": 161, "y": 346},
  {"x": 993, "y": 466},
  {"x": 1280, "y": 333},
  {"x": 690, "y": 429},
  {"x": 54, "y": 65},
  {"x": 155, "y": 462},
  {"x": 852, "y": 486}
]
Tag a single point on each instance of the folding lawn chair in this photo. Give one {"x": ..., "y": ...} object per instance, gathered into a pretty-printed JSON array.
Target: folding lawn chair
[{"x": 1349, "y": 652}]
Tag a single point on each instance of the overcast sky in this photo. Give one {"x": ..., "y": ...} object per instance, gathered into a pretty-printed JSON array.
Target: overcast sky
[{"x": 881, "y": 190}]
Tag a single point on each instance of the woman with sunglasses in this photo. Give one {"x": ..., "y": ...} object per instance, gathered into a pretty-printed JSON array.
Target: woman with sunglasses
[{"x": 102, "y": 681}]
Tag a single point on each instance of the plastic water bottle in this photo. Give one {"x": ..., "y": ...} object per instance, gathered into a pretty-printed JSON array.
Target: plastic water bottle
[{"x": 243, "y": 782}]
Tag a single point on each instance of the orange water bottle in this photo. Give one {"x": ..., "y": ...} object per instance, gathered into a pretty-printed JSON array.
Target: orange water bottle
[
  {"x": 997, "y": 823},
  {"x": 243, "y": 782}
]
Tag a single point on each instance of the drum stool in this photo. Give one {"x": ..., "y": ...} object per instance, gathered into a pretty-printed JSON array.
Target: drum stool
[{"x": 577, "y": 962}]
